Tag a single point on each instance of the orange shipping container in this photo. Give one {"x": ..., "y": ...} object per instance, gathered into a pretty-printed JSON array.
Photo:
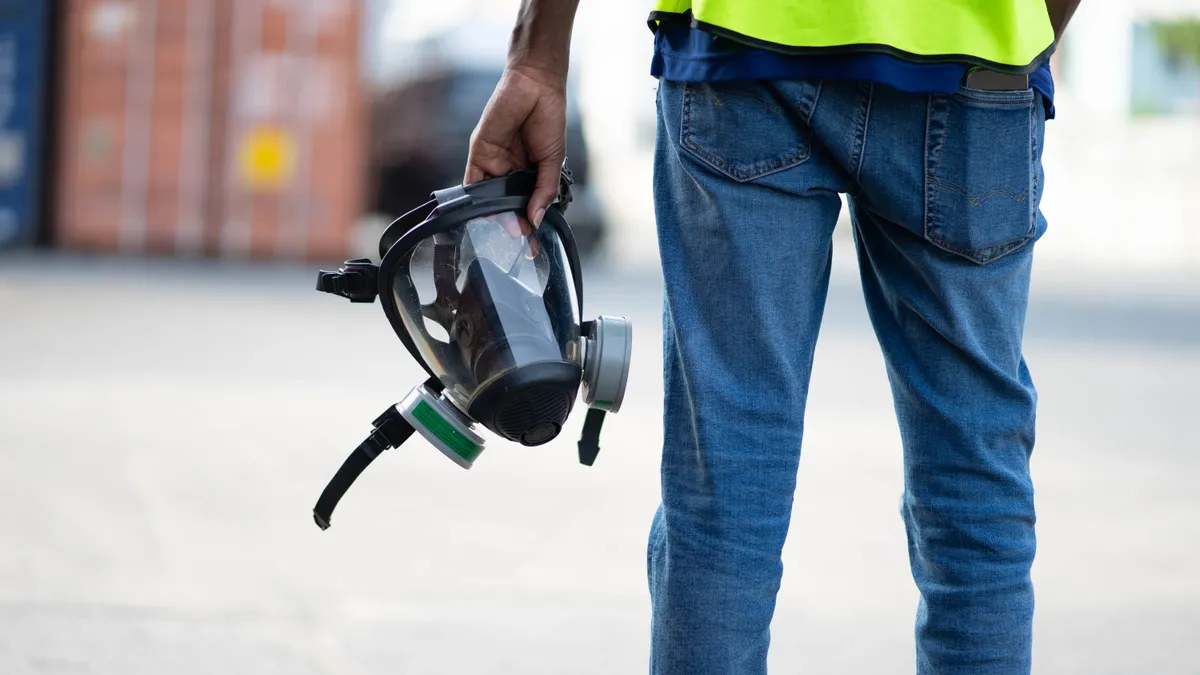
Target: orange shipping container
[
  {"x": 218, "y": 126},
  {"x": 135, "y": 116},
  {"x": 290, "y": 152}
]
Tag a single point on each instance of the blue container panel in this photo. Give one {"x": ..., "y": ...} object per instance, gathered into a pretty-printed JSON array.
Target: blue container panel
[{"x": 24, "y": 38}]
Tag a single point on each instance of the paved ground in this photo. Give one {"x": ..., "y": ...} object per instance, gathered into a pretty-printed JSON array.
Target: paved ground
[{"x": 165, "y": 429}]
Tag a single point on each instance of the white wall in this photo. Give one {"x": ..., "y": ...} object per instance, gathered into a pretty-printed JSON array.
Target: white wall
[
  {"x": 612, "y": 52},
  {"x": 1123, "y": 194}
]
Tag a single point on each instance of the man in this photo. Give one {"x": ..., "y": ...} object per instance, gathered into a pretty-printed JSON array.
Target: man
[{"x": 930, "y": 117}]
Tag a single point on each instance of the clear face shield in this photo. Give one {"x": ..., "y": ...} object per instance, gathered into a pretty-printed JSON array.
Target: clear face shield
[
  {"x": 491, "y": 309},
  {"x": 490, "y": 305}
]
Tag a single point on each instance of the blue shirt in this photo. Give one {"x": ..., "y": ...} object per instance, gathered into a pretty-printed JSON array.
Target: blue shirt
[{"x": 686, "y": 54}]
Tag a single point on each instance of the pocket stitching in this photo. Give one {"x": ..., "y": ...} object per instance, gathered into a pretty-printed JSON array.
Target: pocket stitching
[
  {"x": 720, "y": 101},
  {"x": 996, "y": 97},
  {"x": 931, "y": 177},
  {"x": 998, "y": 251},
  {"x": 944, "y": 182},
  {"x": 1018, "y": 197},
  {"x": 685, "y": 137}
]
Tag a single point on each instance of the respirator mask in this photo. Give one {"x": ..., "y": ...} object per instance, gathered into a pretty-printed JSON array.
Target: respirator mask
[{"x": 490, "y": 307}]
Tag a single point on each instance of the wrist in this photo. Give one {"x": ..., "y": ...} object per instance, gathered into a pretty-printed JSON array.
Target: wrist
[
  {"x": 540, "y": 44},
  {"x": 547, "y": 70}
]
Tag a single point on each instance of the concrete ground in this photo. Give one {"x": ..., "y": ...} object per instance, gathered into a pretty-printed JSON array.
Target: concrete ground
[{"x": 166, "y": 427}]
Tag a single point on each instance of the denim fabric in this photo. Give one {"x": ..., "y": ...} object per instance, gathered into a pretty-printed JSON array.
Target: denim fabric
[{"x": 944, "y": 193}]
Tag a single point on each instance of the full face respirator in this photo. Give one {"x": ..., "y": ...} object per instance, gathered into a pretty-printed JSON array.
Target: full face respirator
[{"x": 490, "y": 307}]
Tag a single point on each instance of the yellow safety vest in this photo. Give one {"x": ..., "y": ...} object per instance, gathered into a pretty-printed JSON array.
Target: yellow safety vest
[{"x": 1007, "y": 35}]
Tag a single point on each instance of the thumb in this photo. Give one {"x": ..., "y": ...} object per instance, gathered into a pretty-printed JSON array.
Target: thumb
[{"x": 546, "y": 189}]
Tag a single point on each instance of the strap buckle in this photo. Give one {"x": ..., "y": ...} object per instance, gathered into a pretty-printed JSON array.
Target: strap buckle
[
  {"x": 357, "y": 281},
  {"x": 565, "y": 181}
]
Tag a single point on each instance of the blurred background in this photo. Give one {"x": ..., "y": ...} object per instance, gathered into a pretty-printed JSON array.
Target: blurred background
[{"x": 174, "y": 395}]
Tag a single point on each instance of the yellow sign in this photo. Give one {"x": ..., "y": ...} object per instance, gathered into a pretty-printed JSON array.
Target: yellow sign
[{"x": 266, "y": 158}]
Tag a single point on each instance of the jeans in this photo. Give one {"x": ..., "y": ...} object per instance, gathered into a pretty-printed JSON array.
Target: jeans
[{"x": 943, "y": 193}]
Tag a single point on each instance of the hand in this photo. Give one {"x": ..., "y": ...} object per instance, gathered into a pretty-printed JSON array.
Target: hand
[{"x": 525, "y": 123}]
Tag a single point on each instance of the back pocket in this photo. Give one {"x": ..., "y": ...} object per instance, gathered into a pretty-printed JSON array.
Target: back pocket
[
  {"x": 746, "y": 129},
  {"x": 981, "y": 185}
]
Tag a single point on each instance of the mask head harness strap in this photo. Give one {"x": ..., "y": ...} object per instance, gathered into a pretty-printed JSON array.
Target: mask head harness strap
[{"x": 390, "y": 430}]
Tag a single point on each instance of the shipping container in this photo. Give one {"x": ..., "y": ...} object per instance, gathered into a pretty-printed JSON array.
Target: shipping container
[
  {"x": 24, "y": 47},
  {"x": 291, "y": 148},
  {"x": 135, "y": 112},
  {"x": 211, "y": 127}
]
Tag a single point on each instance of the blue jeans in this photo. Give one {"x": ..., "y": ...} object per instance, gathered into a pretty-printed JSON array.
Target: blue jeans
[{"x": 944, "y": 193}]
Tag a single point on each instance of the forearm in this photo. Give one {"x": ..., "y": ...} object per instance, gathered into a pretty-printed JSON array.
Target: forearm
[
  {"x": 542, "y": 36},
  {"x": 1060, "y": 14}
]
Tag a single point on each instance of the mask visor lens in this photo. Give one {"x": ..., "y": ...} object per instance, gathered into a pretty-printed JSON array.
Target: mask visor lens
[{"x": 488, "y": 296}]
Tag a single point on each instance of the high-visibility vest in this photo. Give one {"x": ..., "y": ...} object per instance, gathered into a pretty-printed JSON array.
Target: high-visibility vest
[{"x": 1006, "y": 35}]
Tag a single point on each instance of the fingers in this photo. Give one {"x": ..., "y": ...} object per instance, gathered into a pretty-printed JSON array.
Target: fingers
[
  {"x": 487, "y": 160},
  {"x": 524, "y": 122},
  {"x": 546, "y": 189},
  {"x": 474, "y": 173}
]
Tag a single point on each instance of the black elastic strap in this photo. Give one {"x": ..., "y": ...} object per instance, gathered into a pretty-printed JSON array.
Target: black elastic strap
[
  {"x": 589, "y": 441},
  {"x": 403, "y": 224},
  {"x": 391, "y": 429}
]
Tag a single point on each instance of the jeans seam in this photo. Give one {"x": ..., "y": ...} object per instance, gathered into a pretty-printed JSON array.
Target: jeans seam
[
  {"x": 928, "y": 215},
  {"x": 1034, "y": 150},
  {"x": 816, "y": 100},
  {"x": 866, "y": 125},
  {"x": 937, "y": 160},
  {"x": 858, "y": 147}
]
